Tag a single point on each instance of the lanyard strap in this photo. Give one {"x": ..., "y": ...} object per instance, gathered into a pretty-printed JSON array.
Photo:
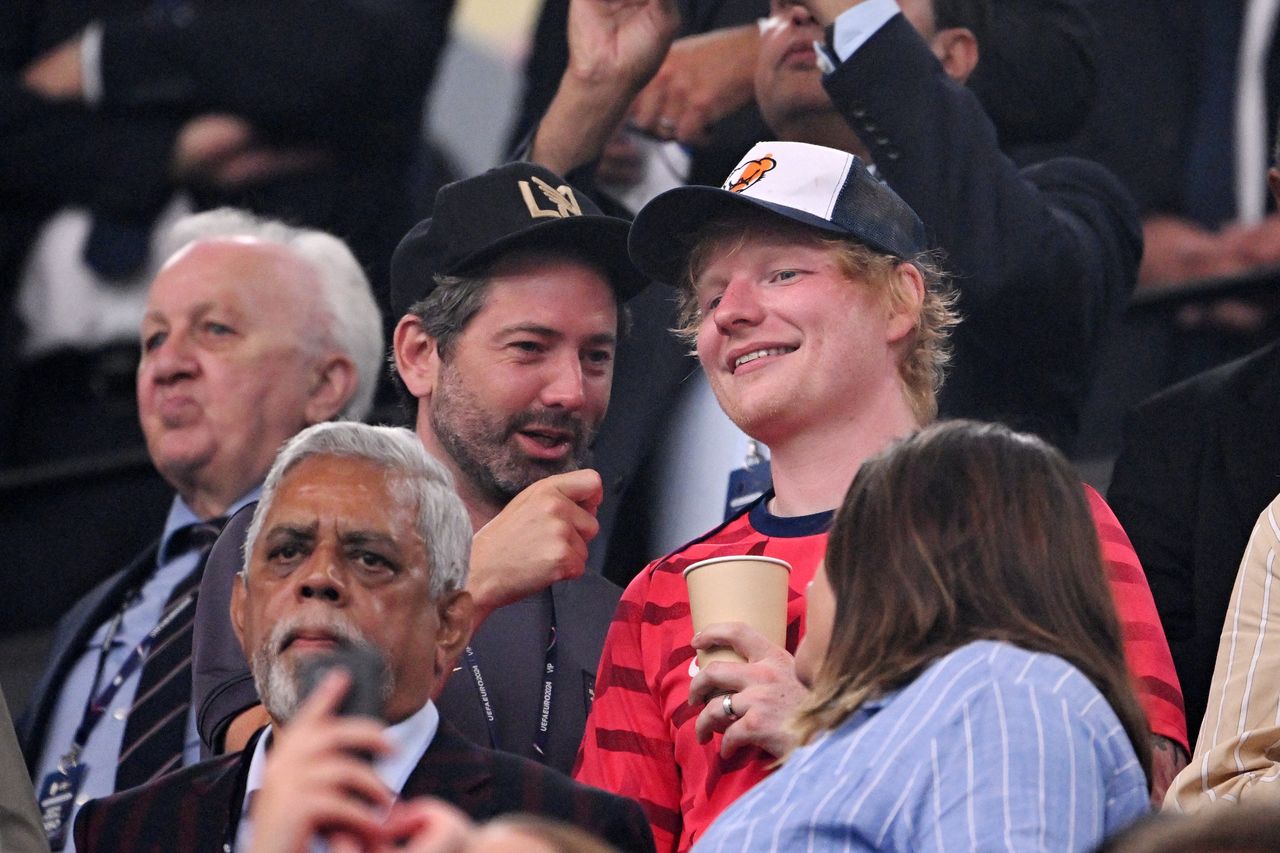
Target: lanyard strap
[
  {"x": 98, "y": 704},
  {"x": 542, "y": 734}
]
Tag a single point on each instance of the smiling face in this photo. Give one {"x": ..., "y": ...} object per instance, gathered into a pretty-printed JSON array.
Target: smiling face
[
  {"x": 787, "y": 340},
  {"x": 526, "y": 384},
  {"x": 340, "y": 556},
  {"x": 224, "y": 378}
]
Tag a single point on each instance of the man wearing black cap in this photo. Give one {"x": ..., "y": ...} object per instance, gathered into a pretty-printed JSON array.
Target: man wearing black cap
[{"x": 509, "y": 297}]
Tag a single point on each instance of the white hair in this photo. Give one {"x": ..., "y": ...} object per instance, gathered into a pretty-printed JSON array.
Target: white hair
[
  {"x": 418, "y": 480},
  {"x": 352, "y": 320}
]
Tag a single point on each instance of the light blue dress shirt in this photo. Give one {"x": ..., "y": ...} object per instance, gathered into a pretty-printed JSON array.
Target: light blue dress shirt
[
  {"x": 853, "y": 27},
  {"x": 101, "y": 753},
  {"x": 991, "y": 748}
]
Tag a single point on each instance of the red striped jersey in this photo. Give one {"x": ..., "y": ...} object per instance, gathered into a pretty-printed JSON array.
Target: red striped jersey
[{"x": 640, "y": 740}]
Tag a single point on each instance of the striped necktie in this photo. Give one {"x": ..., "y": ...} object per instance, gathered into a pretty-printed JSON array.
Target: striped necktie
[{"x": 155, "y": 734}]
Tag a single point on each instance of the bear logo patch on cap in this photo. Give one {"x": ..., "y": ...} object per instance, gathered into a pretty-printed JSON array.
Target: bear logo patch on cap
[
  {"x": 749, "y": 173},
  {"x": 562, "y": 197}
]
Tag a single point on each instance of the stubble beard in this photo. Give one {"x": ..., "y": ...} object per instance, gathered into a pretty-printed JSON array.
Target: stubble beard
[
  {"x": 757, "y": 418},
  {"x": 483, "y": 448}
]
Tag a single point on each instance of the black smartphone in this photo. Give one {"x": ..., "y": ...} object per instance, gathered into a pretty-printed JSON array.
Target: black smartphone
[{"x": 368, "y": 673}]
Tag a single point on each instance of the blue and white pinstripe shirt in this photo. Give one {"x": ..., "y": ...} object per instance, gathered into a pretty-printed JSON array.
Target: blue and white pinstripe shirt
[{"x": 991, "y": 748}]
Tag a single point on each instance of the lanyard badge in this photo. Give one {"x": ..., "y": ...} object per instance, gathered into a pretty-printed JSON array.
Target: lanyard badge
[
  {"x": 57, "y": 797},
  {"x": 57, "y": 794}
]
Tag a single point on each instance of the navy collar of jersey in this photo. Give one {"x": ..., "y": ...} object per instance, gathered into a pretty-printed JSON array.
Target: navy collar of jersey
[{"x": 786, "y": 526}]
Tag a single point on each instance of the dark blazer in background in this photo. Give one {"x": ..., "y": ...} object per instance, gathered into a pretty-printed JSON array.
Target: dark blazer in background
[
  {"x": 1037, "y": 79},
  {"x": 196, "y": 808},
  {"x": 1200, "y": 462},
  {"x": 69, "y": 638},
  {"x": 1151, "y": 64},
  {"x": 649, "y": 369},
  {"x": 347, "y": 77},
  {"x": 1044, "y": 258}
]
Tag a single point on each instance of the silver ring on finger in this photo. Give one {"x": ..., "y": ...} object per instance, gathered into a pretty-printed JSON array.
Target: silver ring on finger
[{"x": 727, "y": 704}]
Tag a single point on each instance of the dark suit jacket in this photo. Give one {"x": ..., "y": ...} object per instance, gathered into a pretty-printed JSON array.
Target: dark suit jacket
[
  {"x": 69, "y": 638},
  {"x": 196, "y": 808},
  {"x": 509, "y": 649},
  {"x": 1044, "y": 258},
  {"x": 1151, "y": 62},
  {"x": 1200, "y": 462}
]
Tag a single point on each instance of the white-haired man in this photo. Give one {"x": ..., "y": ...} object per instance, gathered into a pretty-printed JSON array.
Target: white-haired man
[
  {"x": 359, "y": 540},
  {"x": 253, "y": 330}
]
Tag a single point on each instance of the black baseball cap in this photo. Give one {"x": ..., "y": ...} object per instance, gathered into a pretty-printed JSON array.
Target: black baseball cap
[
  {"x": 824, "y": 188},
  {"x": 515, "y": 206}
]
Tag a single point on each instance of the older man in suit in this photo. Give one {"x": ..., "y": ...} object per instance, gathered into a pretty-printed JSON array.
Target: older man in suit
[
  {"x": 361, "y": 540},
  {"x": 253, "y": 331}
]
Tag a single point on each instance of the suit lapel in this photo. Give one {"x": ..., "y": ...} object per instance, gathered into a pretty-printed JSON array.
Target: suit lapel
[
  {"x": 225, "y": 785},
  {"x": 233, "y": 783},
  {"x": 73, "y": 632},
  {"x": 195, "y": 809},
  {"x": 452, "y": 768}
]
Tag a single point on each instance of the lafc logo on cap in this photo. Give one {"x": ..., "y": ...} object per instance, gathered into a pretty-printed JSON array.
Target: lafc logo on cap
[
  {"x": 749, "y": 173},
  {"x": 561, "y": 196}
]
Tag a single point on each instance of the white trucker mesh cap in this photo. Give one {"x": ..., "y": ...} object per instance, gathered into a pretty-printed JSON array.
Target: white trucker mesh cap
[{"x": 824, "y": 188}]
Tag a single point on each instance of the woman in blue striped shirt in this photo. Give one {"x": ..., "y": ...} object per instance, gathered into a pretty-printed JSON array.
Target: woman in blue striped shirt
[{"x": 968, "y": 685}]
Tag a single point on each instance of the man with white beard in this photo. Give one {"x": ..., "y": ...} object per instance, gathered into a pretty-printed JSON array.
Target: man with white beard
[{"x": 359, "y": 539}]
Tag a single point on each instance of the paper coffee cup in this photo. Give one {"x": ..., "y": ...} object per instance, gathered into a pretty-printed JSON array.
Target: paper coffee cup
[{"x": 739, "y": 589}]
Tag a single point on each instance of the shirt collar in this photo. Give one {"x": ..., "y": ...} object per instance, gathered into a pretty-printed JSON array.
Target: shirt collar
[
  {"x": 787, "y": 526},
  {"x": 181, "y": 515},
  {"x": 409, "y": 739}
]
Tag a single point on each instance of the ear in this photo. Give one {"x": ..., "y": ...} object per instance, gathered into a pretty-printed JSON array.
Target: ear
[
  {"x": 331, "y": 388},
  {"x": 957, "y": 50},
  {"x": 237, "y": 612},
  {"x": 417, "y": 358},
  {"x": 905, "y": 302},
  {"x": 456, "y": 613},
  {"x": 1273, "y": 181}
]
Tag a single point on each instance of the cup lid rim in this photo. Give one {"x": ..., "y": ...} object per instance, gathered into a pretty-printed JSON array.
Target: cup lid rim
[{"x": 732, "y": 557}]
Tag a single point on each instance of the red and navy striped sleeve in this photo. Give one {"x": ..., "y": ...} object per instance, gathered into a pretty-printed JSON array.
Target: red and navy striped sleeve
[{"x": 1145, "y": 647}]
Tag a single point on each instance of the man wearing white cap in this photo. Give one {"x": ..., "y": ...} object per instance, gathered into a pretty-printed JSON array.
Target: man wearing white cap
[
  {"x": 1044, "y": 257},
  {"x": 821, "y": 323}
]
